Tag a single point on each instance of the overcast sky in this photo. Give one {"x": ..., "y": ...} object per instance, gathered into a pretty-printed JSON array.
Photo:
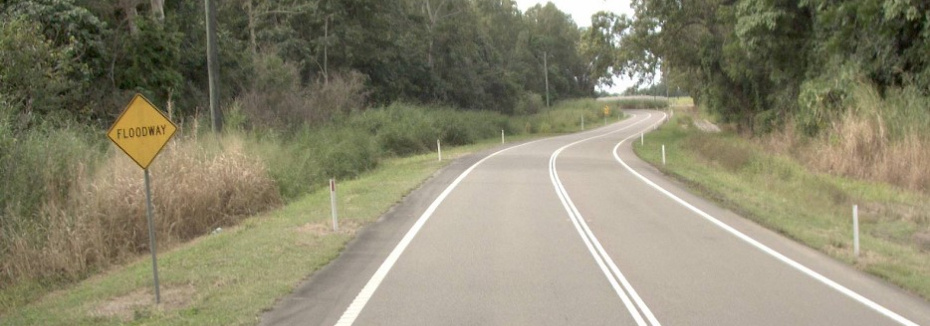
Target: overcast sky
[{"x": 581, "y": 11}]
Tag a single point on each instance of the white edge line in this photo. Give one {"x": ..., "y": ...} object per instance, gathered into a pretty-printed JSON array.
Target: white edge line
[
  {"x": 591, "y": 241},
  {"x": 798, "y": 266},
  {"x": 355, "y": 308}
]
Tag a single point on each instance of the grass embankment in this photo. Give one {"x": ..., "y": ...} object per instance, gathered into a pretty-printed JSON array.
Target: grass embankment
[
  {"x": 814, "y": 208},
  {"x": 230, "y": 277}
]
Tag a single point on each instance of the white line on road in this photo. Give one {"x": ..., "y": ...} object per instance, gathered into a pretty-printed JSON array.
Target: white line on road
[
  {"x": 355, "y": 308},
  {"x": 798, "y": 266},
  {"x": 594, "y": 246}
]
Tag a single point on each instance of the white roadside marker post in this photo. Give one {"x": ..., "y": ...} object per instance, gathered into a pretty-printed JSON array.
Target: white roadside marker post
[
  {"x": 439, "y": 149},
  {"x": 663, "y": 154},
  {"x": 641, "y": 138},
  {"x": 856, "y": 230},
  {"x": 332, "y": 202},
  {"x": 502, "y": 136}
]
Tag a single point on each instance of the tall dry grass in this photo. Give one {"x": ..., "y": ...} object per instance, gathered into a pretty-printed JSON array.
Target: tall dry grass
[
  {"x": 877, "y": 138},
  {"x": 197, "y": 185}
]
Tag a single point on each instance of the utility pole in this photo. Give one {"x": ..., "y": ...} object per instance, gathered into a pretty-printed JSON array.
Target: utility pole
[
  {"x": 325, "y": 50},
  {"x": 213, "y": 67},
  {"x": 546, "y": 68}
]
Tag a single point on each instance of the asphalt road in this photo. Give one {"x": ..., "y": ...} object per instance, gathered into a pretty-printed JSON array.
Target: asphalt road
[{"x": 575, "y": 230}]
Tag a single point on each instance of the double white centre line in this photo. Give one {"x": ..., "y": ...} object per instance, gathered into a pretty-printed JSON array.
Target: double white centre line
[{"x": 634, "y": 304}]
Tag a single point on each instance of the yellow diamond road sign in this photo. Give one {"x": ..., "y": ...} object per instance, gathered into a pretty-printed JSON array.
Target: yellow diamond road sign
[{"x": 141, "y": 131}]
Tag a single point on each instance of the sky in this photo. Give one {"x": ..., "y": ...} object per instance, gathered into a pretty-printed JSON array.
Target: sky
[{"x": 581, "y": 11}]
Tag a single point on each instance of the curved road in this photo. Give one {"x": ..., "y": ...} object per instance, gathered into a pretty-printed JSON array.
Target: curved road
[{"x": 575, "y": 230}]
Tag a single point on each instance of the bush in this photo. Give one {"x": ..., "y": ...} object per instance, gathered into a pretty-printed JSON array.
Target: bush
[
  {"x": 410, "y": 133},
  {"x": 33, "y": 71},
  {"x": 278, "y": 99},
  {"x": 529, "y": 103}
]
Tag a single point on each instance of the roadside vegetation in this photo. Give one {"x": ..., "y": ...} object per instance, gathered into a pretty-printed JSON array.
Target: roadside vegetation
[
  {"x": 779, "y": 183},
  {"x": 81, "y": 212}
]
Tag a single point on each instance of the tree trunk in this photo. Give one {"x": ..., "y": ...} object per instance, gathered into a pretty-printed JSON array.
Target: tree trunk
[
  {"x": 130, "y": 12},
  {"x": 158, "y": 10},
  {"x": 250, "y": 12}
]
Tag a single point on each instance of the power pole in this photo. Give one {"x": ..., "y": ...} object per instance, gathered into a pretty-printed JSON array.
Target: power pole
[
  {"x": 546, "y": 68},
  {"x": 325, "y": 50},
  {"x": 213, "y": 67}
]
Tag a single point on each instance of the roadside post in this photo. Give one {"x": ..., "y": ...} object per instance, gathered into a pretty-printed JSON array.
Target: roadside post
[
  {"x": 502, "y": 136},
  {"x": 141, "y": 131},
  {"x": 856, "y": 230},
  {"x": 332, "y": 202},
  {"x": 663, "y": 154},
  {"x": 439, "y": 149}
]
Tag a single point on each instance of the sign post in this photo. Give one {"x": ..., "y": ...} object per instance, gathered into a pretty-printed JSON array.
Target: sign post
[
  {"x": 606, "y": 113},
  {"x": 141, "y": 132}
]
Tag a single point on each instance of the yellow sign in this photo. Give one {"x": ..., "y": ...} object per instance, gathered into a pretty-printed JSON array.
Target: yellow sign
[
  {"x": 606, "y": 111},
  {"x": 141, "y": 131}
]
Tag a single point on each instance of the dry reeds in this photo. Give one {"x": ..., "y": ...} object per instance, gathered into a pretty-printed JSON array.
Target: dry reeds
[
  {"x": 878, "y": 139},
  {"x": 194, "y": 189},
  {"x": 859, "y": 147}
]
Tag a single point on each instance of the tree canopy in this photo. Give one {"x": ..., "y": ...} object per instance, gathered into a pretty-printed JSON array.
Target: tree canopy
[
  {"x": 760, "y": 62},
  {"x": 86, "y": 56}
]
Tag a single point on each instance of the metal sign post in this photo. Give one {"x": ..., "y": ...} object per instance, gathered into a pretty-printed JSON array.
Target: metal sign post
[
  {"x": 141, "y": 132},
  {"x": 152, "y": 243}
]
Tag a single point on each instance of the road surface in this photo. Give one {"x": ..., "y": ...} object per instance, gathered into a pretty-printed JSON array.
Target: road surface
[{"x": 576, "y": 230}]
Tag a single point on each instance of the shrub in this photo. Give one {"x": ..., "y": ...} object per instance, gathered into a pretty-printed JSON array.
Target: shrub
[
  {"x": 33, "y": 71},
  {"x": 529, "y": 103},
  {"x": 277, "y": 98}
]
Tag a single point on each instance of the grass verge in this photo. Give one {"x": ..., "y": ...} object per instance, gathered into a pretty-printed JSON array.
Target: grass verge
[{"x": 812, "y": 208}]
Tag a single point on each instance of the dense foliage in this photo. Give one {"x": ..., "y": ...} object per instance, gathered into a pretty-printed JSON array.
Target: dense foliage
[
  {"x": 760, "y": 63},
  {"x": 81, "y": 59}
]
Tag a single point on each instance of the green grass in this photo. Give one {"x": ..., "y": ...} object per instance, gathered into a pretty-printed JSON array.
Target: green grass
[{"x": 814, "y": 209}]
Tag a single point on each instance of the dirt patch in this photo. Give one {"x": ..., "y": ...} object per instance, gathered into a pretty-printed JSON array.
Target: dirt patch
[
  {"x": 706, "y": 126},
  {"x": 922, "y": 240},
  {"x": 347, "y": 226},
  {"x": 315, "y": 229},
  {"x": 141, "y": 302},
  {"x": 896, "y": 211}
]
